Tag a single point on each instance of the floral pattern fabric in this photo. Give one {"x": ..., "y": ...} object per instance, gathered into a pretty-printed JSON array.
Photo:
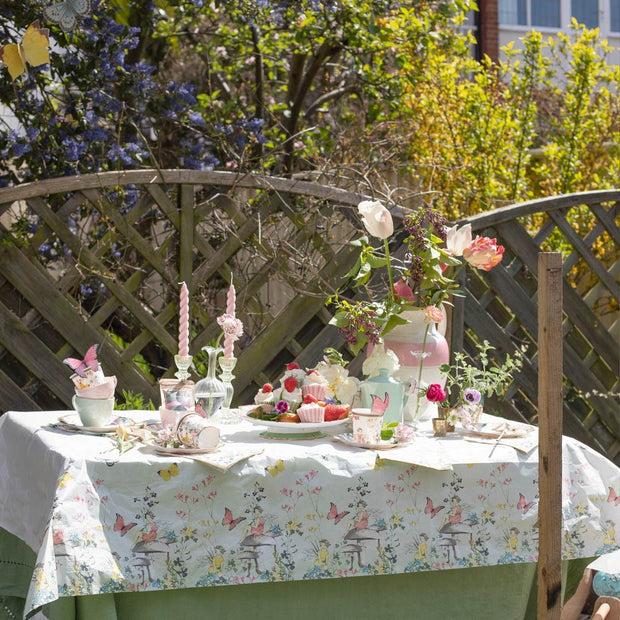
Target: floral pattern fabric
[{"x": 298, "y": 510}]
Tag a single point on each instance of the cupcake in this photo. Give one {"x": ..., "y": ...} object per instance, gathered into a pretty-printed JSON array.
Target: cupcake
[
  {"x": 291, "y": 392},
  {"x": 311, "y": 412},
  {"x": 265, "y": 395},
  {"x": 315, "y": 385}
]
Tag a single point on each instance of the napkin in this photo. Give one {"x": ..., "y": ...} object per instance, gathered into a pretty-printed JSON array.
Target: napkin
[
  {"x": 421, "y": 451},
  {"x": 226, "y": 455}
]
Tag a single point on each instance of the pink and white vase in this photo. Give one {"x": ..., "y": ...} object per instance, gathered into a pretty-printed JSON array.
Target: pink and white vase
[{"x": 414, "y": 345}]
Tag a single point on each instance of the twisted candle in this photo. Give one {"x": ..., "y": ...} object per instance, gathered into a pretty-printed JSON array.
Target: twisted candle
[
  {"x": 184, "y": 322},
  {"x": 229, "y": 339}
]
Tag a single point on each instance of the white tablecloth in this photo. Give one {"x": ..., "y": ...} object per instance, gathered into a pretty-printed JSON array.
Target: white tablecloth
[{"x": 101, "y": 522}]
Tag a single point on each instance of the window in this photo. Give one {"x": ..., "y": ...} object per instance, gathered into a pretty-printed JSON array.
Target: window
[
  {"x": 545, "y": 13},
  {"x": 586, "y": 12},
  {"x": 614, "y": 16}
]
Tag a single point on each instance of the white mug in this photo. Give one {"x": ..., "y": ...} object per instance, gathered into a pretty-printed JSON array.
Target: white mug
[{"x": 95, "y": 412}]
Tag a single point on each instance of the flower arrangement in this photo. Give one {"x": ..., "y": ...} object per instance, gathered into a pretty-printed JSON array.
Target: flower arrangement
[
  {"x": 467, "y": 384},
  {"x": 426, "y": 276}
]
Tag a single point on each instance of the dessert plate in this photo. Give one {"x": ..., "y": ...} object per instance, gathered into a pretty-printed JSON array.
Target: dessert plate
[
  {"x": 495, "y": 431},
  {"x": 72, "y": 422},
  {"x": 384, "y": 444},
  {"x": 295, "y": 430}
]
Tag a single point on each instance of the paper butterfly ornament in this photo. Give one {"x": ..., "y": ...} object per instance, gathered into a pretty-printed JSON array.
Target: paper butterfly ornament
[
  {"x": 65, "y": 13},
  {"x": 379, "y": 406},
  {"x": 34, "y": 50},
  {"x": 89, "y": 361}
]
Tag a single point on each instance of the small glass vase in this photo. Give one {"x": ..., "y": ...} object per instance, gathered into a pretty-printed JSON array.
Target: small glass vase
[{"x": 210, "y": 391}]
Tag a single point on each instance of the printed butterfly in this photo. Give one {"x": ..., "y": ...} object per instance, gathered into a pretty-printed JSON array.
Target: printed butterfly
[
  {"x": 89, "y": 361},
  {"x": 229, "y": 521},
  {"x": 334, "y": 515},
  {"x": 379, "y": 406},
  {"x": 119, "y": 525},
  {"x": 613, "y": 497},
  {"x": 429, "y": 509},
  {"x": 275, "y": 469},
  {"x": 522, "y": 505},
  {"x": 166, "y": 474},
  {"x": 32, "y": 50},
  {"x": 65, "y": 13}
]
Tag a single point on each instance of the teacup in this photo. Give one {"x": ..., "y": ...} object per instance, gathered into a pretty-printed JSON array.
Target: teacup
[
  {"x": 196, "y": 432},
  {"x": 95, "y": 412},
  {"x": 366, "y": 426}
]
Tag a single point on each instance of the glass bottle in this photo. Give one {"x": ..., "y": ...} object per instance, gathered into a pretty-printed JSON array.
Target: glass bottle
[{"x": 210, "y": 391}]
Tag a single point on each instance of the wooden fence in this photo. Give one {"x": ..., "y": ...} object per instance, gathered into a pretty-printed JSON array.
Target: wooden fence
[{"x": 98, "y": 259}]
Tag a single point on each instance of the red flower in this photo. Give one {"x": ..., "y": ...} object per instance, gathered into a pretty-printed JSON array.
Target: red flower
[{"x": 435, "y": 393}]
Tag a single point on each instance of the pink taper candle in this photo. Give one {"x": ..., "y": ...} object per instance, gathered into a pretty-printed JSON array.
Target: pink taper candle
[
  {"x": 230, "y": 309},
  {"x": 184, "y": 322}
]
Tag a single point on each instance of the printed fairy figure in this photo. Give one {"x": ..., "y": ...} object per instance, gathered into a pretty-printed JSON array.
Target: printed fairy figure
[
  {"x": 322, "y": 555},
  {"x": 420, "y": 553},
  {"x": 217, "y": 562},
  {"x": 513, "y": 541}
]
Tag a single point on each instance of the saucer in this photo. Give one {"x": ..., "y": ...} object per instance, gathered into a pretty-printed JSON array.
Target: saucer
[{"x": 72, "y": 422}]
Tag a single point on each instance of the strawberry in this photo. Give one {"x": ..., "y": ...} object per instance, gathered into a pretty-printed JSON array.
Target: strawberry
[
  {"x": 308, "y": 398},
  {"x": 313, "y": 372},
  {"x": 292, "y": 366},
  {"x": 336, "y": 412},
  {"x": 267, "y": 388},
  {"x": 290, "y": 383}
]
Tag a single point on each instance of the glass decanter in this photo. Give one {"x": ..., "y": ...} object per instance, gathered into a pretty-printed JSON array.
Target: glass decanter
[{"x": 210, "y": 391}]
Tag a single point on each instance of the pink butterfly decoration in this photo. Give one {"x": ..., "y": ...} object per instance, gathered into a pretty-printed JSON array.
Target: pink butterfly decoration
[
  {"x": 379, "y": 406},
  {"x": 89, "y": 361}
]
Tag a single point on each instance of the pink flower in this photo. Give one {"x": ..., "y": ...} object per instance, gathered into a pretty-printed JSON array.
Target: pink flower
[
  {"x": 403, "y": 290},
  {"x": 484, "y": 253},
  {"x": 433, "y": 314},
  {"x": 435, "y": 393},
  {"x": 376, "y": 218},
  {"x": 230, "y": 325}
]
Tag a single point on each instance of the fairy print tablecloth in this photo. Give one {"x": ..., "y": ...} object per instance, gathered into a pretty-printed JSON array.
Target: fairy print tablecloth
[{"x": 104, "y": 522}]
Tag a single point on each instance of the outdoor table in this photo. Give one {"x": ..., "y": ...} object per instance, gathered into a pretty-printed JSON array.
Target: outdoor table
[{"x": 437, "y": 528}]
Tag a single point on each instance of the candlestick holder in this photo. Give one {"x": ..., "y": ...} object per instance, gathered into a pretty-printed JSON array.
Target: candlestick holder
[
  {"x": 183, "y": 362},
  {"x": 225, "y": 415}
]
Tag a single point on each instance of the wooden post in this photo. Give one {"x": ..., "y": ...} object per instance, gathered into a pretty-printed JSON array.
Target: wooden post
[{"x": 550, "y": 435}]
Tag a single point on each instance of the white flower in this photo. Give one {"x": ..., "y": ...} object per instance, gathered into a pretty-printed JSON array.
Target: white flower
[
  {"x": 340, "y": 385},
  {"x": 378, "y": 359},
  {"x": 376, "y": 218},
  {"x": 458, "y": 239}
]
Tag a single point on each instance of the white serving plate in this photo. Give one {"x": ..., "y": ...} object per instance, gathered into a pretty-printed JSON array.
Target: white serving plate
[{"x": 296, "y": 430}]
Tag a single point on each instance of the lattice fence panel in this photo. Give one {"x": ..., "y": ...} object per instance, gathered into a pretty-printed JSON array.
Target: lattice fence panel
[{"x": 99, "y": 258}]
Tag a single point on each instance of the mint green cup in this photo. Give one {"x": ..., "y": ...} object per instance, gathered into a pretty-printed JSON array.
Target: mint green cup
[{"x": 94, "y": 412}]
